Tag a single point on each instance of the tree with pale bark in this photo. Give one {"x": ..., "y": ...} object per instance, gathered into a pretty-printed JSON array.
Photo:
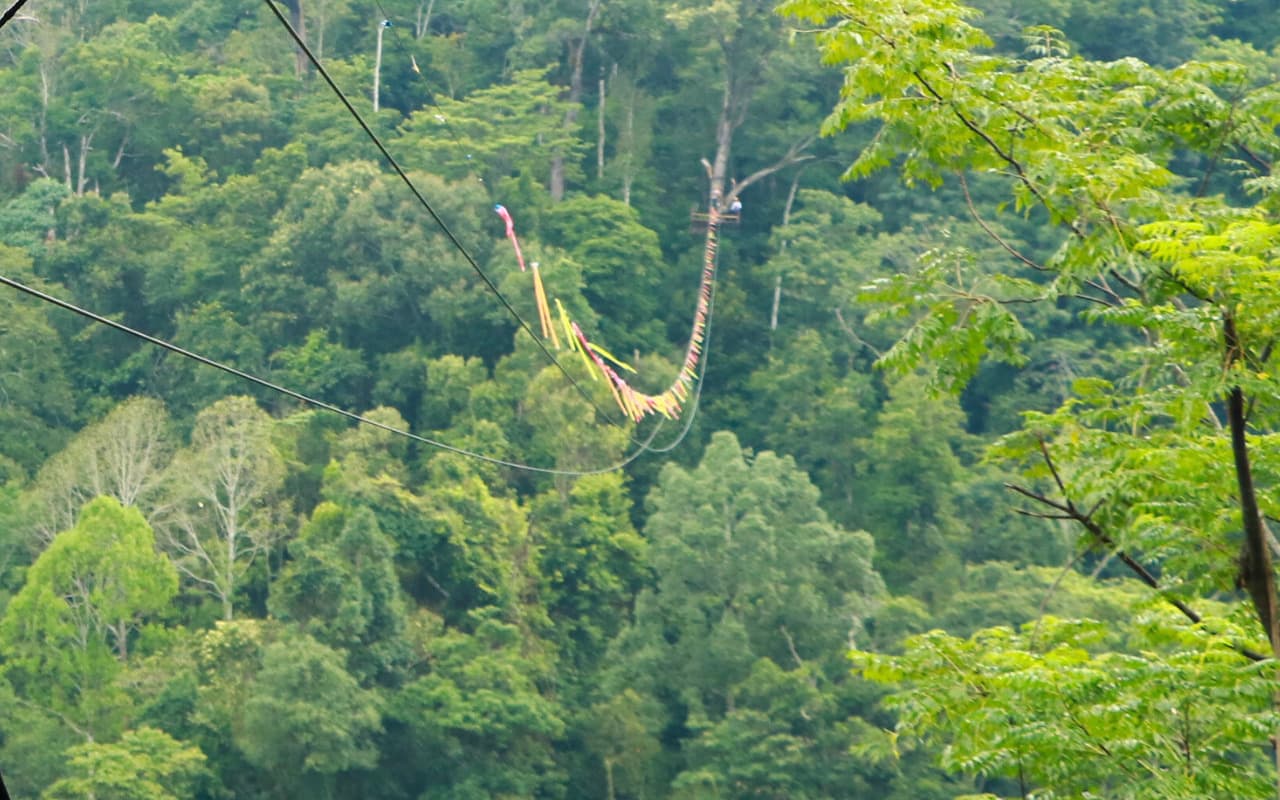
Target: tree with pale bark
[{"x": 226, "y": 499}]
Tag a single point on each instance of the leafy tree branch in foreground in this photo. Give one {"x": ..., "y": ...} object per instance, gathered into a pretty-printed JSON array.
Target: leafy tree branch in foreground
[{"x": 1159, "y": 181}]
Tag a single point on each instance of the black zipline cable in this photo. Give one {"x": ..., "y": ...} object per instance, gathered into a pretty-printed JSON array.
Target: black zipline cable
[
  {"x": 431, "y": 95},
  {"x": 395, "y": 165},
  {"x": 4, "y": 20},
  {"x": 98, "y": 318},
  {"x": 8, "y": 15},
  {"x": 697, "y": 395},
  {"x": 444, "y": 119},
  {"x": 311, "y": 401}
]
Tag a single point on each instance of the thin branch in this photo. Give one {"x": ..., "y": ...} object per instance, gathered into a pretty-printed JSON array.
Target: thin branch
[
  {"x": 1013, "y": 301},
  {"x": 436, "y": 584},
  {"x": 973, "y": 212},
  {"x": 791, "y": 645},
  {"x": 1039, "y": 514},
  {"x": 1102, "y": 538},
  {"x": 1102, "y": 286},
  {"x": 1000, "y": 152},
  {"x": 1068, "y": 513},
  {"x": 794, "y": 155},
  {"x": 1129, "y": 284},
  {"x": 1053, "y": 469},
  {"x": 1088, "y": 298},
  {"x": 1103, "y": 563},
  {"x": 1217, "y": 151},
  {"x": 1052, "y": 590},
  {"x": 1258, "y": 161},
  {"x": 852, "y": 334},
  {"x": 63, "y": 718}
]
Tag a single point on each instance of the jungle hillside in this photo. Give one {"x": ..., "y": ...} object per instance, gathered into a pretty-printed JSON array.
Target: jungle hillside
[{"x": 958, "y": 475}]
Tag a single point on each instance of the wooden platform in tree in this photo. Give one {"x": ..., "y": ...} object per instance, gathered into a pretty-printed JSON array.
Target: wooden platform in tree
[{"x": 698, "y": 220}]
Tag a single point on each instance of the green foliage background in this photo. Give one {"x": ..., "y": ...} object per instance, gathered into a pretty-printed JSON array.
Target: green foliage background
[{"x": 209, "y": 591}]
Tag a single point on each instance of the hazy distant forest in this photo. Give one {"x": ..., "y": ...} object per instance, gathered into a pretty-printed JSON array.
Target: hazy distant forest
[{"x": 975, "y": 497}]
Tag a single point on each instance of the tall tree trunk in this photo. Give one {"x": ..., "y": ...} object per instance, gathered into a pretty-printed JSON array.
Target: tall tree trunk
[
  {"x": 743, "y": 60},
  {"x": 577, "y": 48},
  {"x": 423, "y": 24},
  {"x": 121, "y": 630},
  {"x": 600, "y": 132},
  {"x": 786, "y": 220},
  {"x": 608, "y": 779},
  {"x": 1256, "y": 571},
  {"x": 1257, "y": 574},
  {"x": 377, "y": 66},
  {"x": 44, "y": 117},
  {"x": 724, "y": 144},
  {"x": 229, "y": 579},
  {"x": 115, "y": 162},
  {"x": 299, "y": 23},
  {"x": 86, "y": 142},
  {"x": 629, "y": 136}
]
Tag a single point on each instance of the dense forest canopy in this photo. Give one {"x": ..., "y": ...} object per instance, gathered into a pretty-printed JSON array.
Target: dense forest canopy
[{"x": 986, "y": 400}]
